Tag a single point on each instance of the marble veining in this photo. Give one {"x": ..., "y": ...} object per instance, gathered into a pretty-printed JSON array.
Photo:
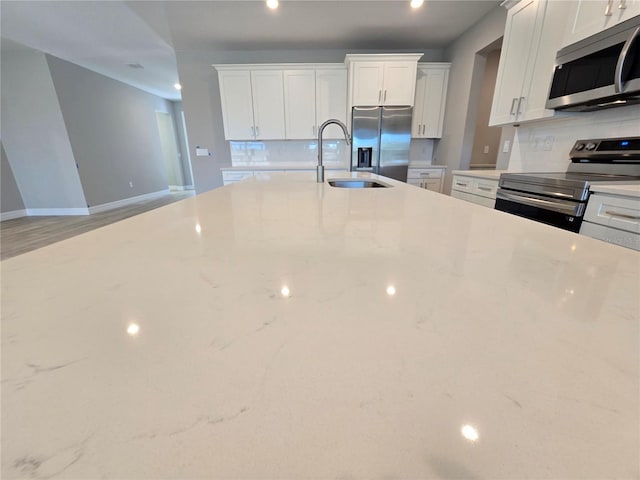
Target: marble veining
[{"x": 280, "y": 328}]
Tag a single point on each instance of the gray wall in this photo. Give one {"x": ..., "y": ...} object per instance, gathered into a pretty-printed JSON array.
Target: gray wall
[
  {"x": 34, "y": 134},
  {"x": 201, "y": 99},
  {"x": 486, "y": 136},
  {"x": 465, "y": 81},
  {"x": 113, "y": 133},
  {"x": 10, "y": 198}
]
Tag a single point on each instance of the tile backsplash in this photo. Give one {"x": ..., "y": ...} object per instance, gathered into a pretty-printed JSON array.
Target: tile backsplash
[
  {"x": 545, "y": 145},
  {"x": 336, "y": 153}
]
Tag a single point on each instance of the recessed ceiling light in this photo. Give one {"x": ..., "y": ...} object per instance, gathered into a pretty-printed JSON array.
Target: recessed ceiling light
[
  {"x": 416, "y": 3},
  {"x": 177, "y": 86},
  {"x": 272, "y": 4}
]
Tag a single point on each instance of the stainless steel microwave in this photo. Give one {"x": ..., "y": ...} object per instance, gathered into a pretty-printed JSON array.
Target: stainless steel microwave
[{"x": 601, "y": 71}]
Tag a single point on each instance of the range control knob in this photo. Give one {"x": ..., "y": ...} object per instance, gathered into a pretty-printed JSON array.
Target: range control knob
[
  {"x": 579, "y": 147},
  {"x": 590, "y": 146}
]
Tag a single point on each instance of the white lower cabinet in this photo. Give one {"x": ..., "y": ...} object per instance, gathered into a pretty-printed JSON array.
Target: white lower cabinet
[
  {"x": 481, "y": 191},
  {"x": 614, "y": 219},
  {"x": 429, "y": 178}
]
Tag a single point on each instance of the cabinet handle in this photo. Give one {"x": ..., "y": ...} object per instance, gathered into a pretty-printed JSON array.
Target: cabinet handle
[
  {"x": 513, "y": 106},
  {"x": 458, "y": 184},
  {"x": 379, "y": 96},
  {"x": 622, "y": 5},
  {"x": 622, "y": 215},
  {"x": 520, "y": 102},
  {"x": 485, "y": 189},
  {"x": 607, "y": 10},
  {"x": 257, "y": 131},
  {"x": 253, "y": 132},
  {"x": 425, "y": 174},
  {"x": 423, "y": 128},
  {"x": 313, "y": 130},
  {"x": 385, "y": 95},
  {"x": 419, "y": 126}
]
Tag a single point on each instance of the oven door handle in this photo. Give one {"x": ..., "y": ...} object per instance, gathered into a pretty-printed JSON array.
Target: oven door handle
[{"x": 569, "y": 208}]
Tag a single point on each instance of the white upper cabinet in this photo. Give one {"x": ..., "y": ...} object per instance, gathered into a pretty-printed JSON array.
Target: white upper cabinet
[
  {"x": 588, "y": 17},
  {"x": 533, "y": 35},
  {"x": 237, "y": 105},
  {"x": 281, "y": 101},
  {"x": 268, "y": 104},
  {"x": 300, "y": 104},
  {"x": 382, "y": 79},
  {"x": 368, "y": 78},
  {"x": 430, "y": 100},
  {"x": 331, "y": 100}
]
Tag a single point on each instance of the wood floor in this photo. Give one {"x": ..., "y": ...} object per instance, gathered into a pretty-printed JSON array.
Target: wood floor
[{"x": 21, "y": 235}]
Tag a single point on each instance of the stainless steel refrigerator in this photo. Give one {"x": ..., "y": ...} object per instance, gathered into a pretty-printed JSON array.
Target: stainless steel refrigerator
[{"x": 381, "y": 138}]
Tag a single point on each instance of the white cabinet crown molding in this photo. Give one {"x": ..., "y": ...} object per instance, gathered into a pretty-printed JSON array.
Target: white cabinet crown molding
[
  {"x": 382, "y": 57},
  {"x": 277, "y": 66},
  {"x": 509, "y": 3}
]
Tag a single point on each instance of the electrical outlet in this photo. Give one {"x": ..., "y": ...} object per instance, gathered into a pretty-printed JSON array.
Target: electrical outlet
[
  {"x": 548, "y": 143},
  {"x": 486, "y": 149},
  {"x": 506, "y": 146}
]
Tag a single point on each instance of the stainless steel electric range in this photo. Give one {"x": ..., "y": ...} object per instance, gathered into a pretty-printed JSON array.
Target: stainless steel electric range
[{"x": 560, "y": 198}]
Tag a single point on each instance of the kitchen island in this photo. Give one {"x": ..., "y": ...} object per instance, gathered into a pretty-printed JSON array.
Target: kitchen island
[{"x": 283, "y": 329}]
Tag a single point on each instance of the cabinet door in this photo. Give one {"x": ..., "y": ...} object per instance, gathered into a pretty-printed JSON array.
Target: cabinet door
[
  {"x": 237, "y": 107},
  {"x": 300, "y": 104},
  {"x": 268, "y": 104},
  {"x": 399, "y": 83},
  {"x": 513, "y": 62},
  {"x": 367, "y": 83},
  {"x": 331, "y": 100},
  {"x": 552, "y": 17},
  {"x": 419, "y": 104},
  {"x": 589, "y": 17},
  {"x": 434, "y": 102}
]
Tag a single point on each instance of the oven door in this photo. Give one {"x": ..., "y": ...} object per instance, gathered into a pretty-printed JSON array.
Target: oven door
[{"x": 563, "y": 214}]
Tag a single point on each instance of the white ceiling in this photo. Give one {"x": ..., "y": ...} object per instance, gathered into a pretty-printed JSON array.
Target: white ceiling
[{"x": 106, "y": 36}]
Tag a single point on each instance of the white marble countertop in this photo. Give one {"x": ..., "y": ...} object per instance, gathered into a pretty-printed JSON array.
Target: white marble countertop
[
  {"x": 284, "y": 329},
  {"x": 488, "y": 174},
  {"x": 631, "y": 189}
]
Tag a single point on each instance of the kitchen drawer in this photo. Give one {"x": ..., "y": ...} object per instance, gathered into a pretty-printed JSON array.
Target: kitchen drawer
[
  {"x": 234, "y": 176},
  {"x": 477, "y": 199},
  {"x": 424, "y": 173},
  {"x": 611, "y": 235},
  {"x": 614, "y": 211},
  {"x": 485, "y": 188},
  {"x": 463, "y": 184}
]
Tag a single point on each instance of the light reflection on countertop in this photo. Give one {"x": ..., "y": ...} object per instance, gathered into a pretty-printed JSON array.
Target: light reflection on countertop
[{"x": 316, "y": 332}]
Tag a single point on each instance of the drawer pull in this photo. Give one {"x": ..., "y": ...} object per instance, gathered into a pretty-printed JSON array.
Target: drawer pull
[
  {"x": 458, "y": 184},
  {"x": 622, "y": 215},
  {"x": 486, "y": 189},
  {"x": 425, "y": 174}
]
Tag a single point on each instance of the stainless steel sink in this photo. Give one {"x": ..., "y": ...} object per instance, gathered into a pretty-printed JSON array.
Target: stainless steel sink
[{"x": 357, "y": 183}]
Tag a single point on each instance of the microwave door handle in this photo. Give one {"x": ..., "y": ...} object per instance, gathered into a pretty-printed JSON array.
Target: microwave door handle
[{"x": 622, "y": 59}]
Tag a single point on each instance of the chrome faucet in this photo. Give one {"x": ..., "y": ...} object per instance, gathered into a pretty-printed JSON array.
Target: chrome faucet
[{"x": 320, "y": 169}]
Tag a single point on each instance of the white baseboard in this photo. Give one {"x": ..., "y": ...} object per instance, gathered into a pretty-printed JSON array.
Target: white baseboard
[
  {"x": 126, "y": 201},
  {"x": 13, "y": 214},
  {"x": 56, "y": 212},
  {"x": 176, "y": 188}
]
